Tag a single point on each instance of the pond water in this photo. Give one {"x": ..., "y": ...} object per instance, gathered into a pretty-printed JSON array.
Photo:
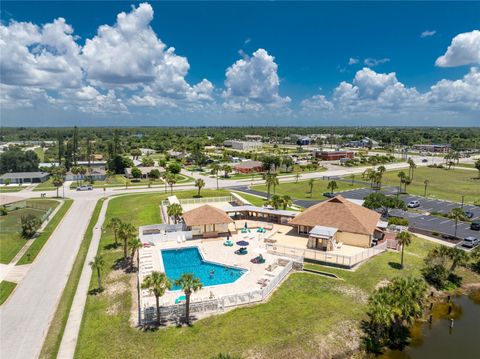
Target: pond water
[{"x": 438, "y": 340}]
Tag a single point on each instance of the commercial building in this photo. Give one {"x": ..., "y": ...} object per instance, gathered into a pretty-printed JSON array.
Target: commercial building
[
  {"x": 242, "y": 145},
  {"x": 438, "y": 148},
  {"x": 333, "y": 155},
  {"x": 249, "y": 166}
]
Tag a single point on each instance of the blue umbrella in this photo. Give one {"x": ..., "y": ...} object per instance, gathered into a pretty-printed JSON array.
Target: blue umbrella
[{"x": 242, "y": 243}]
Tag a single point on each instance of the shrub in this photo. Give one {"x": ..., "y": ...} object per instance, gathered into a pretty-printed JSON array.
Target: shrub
[
  {"x": 398, "y": 221},
  {"x": 455, "y": 279},
  {"x": 3, "y": 211},
  {"x": 435, "y": 275}
]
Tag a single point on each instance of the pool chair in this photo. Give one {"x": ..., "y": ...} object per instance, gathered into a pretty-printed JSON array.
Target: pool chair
[
  {"x": 180, "y": 299},
  {"x": 228, "y": 243},
  {"x": 242, "y": 251},
  {"x": 258, "y": 259}
]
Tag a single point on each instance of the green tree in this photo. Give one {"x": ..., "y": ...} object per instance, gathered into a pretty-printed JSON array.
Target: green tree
[
  {"x": 29, "y": 225},
  {"x": 458, "y": 257},
  {"x": 114, "y": 225},
  {"x": 174, "y": 168},
  {"x": 215, "y": 168},
  {"x": 148, "y": 162},
  {"x": 297, "y": 177},
  {"x": 402, "y": 176},
  {"x": 404, "y": 239},
  {"x": 199, "y": 183},
  {"x": 311, "y": 182},
  {"x": 457, "y": 214},
  {"x": 7, "y": 182},
  {"x": 57, "y": 182},
  {"x": 226, "y": 170},
  {"x": 134, "y": 244},
  {"x": 425, "y": 183},
  {"x": 157, "y": 283},
  {"x": 189, "y": 284},
  {"x": 136, "y": 173},
  {"x": 135, "y": 153},
  {"x": 154, "y": 174},
  {"x": 270, "y": 180},
  {"x": 477, "y": 166},
  {"x": 411, "y": 168},
  {"x": 286, "y": 201},
  {"x": 332, "y": 186},
  {"x": 175, "y": 210},
  {"x": 97, "y": 264},
  {"x": 125, "y": 232},
  {"x": 276, "y": 201},
  {"x": 171, "y": 179}
]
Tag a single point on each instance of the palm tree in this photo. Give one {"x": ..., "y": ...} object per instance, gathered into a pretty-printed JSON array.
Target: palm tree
[
  {"x": 404, "y": 239},
  {"x": 458, "y": 257},
  {"x": 411, "y": 168},
  {"x": 75, "y": 170},
  {"x": 402, "y": 177},
  {"x": 332, "y": 186},
  {"x": 97, "y": 264},
  {"x": 426, "y": 182},
  {"x": 134, "y": 244},
  {"x": 57, "y": 181},
  {"x": 297, "y": 176},
  {"x": 157, "y": 283},
  {"x": 171, "y": 180},
  {"x": 189, "y": 284},
  {"x": 311, "y": 181},
  {"x": 215, "y": 169},
  {"x": 175, "y": 210},
  {"x": 456, "y": 214},
  {"x": 199, "y": 183},
  {"x": 114, "y": 224},
  {"x": 276, "y": 201},
  {"x": 125, "y": 232},
  {"x": 226, "y": 170},
  {"x": 270, "y": 180},
  {"x": 286, "y": 201},
  {"x": 82, "y": 171},
  {"x": 477, "y": 166}
]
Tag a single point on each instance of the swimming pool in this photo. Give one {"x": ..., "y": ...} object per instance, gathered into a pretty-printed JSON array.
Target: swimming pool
[{"x": 189, "y": 260}]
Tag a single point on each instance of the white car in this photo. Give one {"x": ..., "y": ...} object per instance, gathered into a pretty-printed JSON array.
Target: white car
[
  {"x": 470, "y": 242},
  {"x": 413, "y": 204},
  {"x": 84, "y": 188}
]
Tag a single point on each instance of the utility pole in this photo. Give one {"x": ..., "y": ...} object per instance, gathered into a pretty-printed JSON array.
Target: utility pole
[{"x": 463, "y": 198}]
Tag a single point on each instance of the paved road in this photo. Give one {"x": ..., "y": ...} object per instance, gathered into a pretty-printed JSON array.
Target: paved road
[{"x": 26, "y": 316}]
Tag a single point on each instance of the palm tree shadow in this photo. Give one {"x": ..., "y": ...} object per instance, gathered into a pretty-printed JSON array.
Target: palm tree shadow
[
  {"x": 395, "y": 265},
  {"x": 95, "y": 291},
  {"x": 110, "y": 246},
  {"x": 120, "y": 263}
]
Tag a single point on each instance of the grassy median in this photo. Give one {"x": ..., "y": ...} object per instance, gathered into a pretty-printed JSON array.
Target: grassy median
[{"x": 6, "y": 288}]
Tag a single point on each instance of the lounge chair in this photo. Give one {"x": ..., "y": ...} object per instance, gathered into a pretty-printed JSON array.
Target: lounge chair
[
  {"x": 242, "y": 251},
  {"x": 228, "y": 243},
  {"x": 258, "y": 260}
]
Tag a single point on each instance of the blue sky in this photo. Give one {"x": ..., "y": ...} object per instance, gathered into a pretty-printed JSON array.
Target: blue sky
[{"x": 241, "y": 63}]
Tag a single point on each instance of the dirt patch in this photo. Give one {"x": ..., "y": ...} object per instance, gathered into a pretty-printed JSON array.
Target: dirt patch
[
  {"x": 353, "y": 292},
  {"x": 113, "y": 309},
  {"x": 382, "y": 283},
  {"x": 134, "y": 320},
  {"x": 114, "y": 289},
  {"x": 115, "y": 275}
]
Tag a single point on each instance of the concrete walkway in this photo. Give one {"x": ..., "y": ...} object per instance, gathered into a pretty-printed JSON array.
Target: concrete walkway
[{"x": 72, "y": 328}]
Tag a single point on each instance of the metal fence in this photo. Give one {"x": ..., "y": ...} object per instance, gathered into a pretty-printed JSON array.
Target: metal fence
[
  {"x": 325, "y": 256},
  {"x": 215, "y": 305}
]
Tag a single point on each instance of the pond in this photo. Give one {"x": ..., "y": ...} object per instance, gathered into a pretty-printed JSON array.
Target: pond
[{"x": 439, "y": 340}]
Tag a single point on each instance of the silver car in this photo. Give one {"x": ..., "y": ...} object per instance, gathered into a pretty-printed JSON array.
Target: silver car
[{"x": 470, "y": 242}]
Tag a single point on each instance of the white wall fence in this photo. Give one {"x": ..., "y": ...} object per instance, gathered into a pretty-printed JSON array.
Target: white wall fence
[
  {"x": 205, "y": 200},
  {"x": 325, "y": 256},
  {"x": 216, "y": 305}
]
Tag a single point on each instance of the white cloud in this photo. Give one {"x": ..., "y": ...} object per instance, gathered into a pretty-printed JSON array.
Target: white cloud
[
  {"x": 353, "y": 61},
  {"x": 317, "y": 102},
  {"x": 371, "y": 62},
  {"x": 39, "y": 56},
  {"x": 252, "y": 83},
  {"x": 15, "y": 97},
  {"x": 90, "y": 100},
  {"x": 428, "y": 33},
  {"x": 464, "y": 50}
]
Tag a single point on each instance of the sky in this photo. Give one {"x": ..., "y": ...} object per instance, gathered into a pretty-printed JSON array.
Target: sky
[{"x": 178, "y": 63}]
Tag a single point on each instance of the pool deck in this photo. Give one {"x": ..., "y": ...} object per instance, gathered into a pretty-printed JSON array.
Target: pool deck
[{"x": 212, "y": 250}]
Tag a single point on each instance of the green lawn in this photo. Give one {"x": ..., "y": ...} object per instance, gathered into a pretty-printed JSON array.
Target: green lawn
[
  {"x": 40, "y": 153},
  {"x": 307, "y": 314},
  {"x": 293, "y": 323},
  {"x": 45, "y": 186},
  {"x": 10, "y": 226},
  {"x": 256, "y": 201},
  {"x": 40, "y": 241},
  {"x": 57, "y": 326},
  {"x": 443, "y": 184},
  {"x": 301, "y": 190},
  {"x": 4, "y": 189},
  {"x": 6, "y": 288}
]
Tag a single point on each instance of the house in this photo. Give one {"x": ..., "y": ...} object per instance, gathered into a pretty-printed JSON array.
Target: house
[
  {"x": 242, "y": 145},
  {"x": 207, "y": 221},
  {"x": 365, "y": 142},
  {"x": 304, "y": 141},
  {"x": 25, "y": 177},
  {"x": 95, "y": 174},
  {"x": 249, "y": 166},
  {"x": 147, "y": 151},
  {"x": 333, "y": 155},
  {"x": 337, "y": 220},
  {"x": 253, "y": 137},
  {"x": 436, "y": 147}
]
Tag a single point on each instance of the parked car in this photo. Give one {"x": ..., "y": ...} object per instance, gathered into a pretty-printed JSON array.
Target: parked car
[
  {"x": 329, "y": 194},
  {"x": 424, "y": 160},
  {"x": 413, "y": 204},
  {"x": 475, "y": 225},
  {"x": 468, "y": 214},
  {"x": 84, "y": 188},
  {"x": 470, "y": 242}
]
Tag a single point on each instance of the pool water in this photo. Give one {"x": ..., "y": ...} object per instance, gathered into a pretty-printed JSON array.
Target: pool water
[{"x": 189, "y": 260}]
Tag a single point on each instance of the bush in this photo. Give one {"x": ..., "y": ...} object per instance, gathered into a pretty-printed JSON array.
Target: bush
[
  {"x": 3, "y": 211},
  {"x": 436, "y": 275},
  {"x": 455, "y": 279},
  {"x": 398, "y": 221}
]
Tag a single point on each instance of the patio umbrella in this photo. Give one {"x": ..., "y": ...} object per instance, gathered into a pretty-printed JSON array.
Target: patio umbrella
[{"x": 243, "y": 243}]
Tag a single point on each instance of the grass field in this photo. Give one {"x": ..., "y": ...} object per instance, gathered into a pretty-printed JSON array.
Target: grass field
[
  {"x": 40, "y": 153},
  {"x": 57, "y": 325},
  {"x": 443, "y": 184},
  {"x": 4, "y": 189},
  {"x": 10, "y": 226},
  {"x": 308, "y": 314},
  {"x": 40, "y": 241},
  {"x": 6, "y": 288},
  {"x": 301, "y": 190},
  {"x": 45, "y": 186}
]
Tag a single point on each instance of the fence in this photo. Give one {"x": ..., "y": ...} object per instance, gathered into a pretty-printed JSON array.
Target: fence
[
  {"x": 215, "y": 305},
  {"x": 206, "y": 200},
  {"x": 327, "y": 257}
]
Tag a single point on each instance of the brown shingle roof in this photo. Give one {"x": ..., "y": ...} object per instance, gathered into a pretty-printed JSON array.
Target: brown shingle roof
[
  {"x": 339, "y": 213},
  {"x": 206, "y": 214}
]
